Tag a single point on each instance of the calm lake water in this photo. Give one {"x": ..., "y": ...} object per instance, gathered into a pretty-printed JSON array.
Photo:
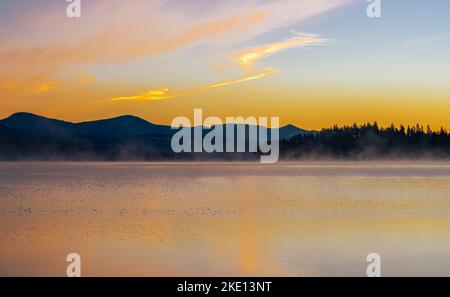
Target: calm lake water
[{"x": 230, "y": 219}]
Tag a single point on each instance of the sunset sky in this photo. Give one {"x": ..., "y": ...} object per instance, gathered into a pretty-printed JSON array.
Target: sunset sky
[{"x": 312, "y": 63}]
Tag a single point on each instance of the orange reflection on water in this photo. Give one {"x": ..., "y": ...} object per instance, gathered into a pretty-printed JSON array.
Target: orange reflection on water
[{"x": 224, "y": 219}]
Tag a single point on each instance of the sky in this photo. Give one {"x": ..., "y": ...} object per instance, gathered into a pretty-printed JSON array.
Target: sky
[{"x": 311, "y": 63}]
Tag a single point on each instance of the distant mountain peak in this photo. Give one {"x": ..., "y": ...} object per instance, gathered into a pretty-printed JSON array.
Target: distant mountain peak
[
  {"x": 31, "y": 116},
  {"x": 24, "y": 115},
  {"x": 18, "y": 114},
  {"x": 129, "y": 117},
  {"x": 290, "y": 126},
  {"x": 122, "y": 117}
]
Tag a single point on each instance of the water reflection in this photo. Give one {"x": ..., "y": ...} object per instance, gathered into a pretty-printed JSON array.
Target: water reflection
[{"x": 224, "y": 219}]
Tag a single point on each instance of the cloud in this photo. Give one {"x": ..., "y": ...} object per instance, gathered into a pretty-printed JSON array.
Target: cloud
[
  {"x": 151, "y": 95},
  {"x": 158, "y": 27},
  {"x": 45, "y": 88},
  {"x": 115, "y": 44},
  {"x": 165, "y": 93},
  {"x": 115, "y": 32},
  {"x": 265, "y": 73},
  {"x": 30, "y": 87},
  {"x": 247, "y": 58}
]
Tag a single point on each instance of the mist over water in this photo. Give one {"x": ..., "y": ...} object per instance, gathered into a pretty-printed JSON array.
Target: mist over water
[{"x": 214, "y": 219}]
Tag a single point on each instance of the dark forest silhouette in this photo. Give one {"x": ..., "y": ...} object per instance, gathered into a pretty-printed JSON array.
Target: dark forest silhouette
[{"x": 369, "y": 141}]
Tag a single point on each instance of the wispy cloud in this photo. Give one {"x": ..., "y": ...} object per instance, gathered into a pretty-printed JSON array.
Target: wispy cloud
[
  {"x": 151, "y": 95},
  {"x": 158, "y": 27},
  {"x": 59, "y": 47},
  {"x": 33, "y": 86},
  {"x": 45, "y": 88},
  {"x": 165, "y": 93},
  {"x": 114, "y": 44},
  {"x": 248, "y": 57},
  {"x": 265, "y": 73}
]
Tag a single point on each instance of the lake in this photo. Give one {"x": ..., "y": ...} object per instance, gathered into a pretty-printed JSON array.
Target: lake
[{"x": 225, "y": 219}]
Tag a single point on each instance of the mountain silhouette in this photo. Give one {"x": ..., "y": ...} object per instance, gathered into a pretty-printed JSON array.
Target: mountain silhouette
[
  {"x": 120, "y": 127},
  {"x": 290, "y": 131},
  {"x": 31, "y": 124},
  {"x": 115, "y": 128},
  {"x": 26, "y": 135}
]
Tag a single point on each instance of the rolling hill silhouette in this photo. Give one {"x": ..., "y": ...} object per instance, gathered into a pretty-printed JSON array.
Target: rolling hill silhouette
[
  {"x": 30, "y": 136},
  {"x": 115, "y": 128}
]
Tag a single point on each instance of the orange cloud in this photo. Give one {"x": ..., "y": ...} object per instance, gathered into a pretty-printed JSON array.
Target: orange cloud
[
  {"x": 115, "y": 44},
  {"x": 164, "y": 94},
  {"x": 267, "y": 72},
  {"x": 45, "y": 88},
  {"x": 30, "y": 86},
  {"x": 151, "y": 95},
  {"x": 247, "y": 58}
]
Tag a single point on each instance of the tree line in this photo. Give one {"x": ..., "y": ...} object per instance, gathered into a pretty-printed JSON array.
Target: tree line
[{"x": 369, "y": 141}]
